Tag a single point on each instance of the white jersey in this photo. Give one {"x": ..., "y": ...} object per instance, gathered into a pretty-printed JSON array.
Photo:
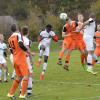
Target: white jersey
[
  {"x": 90, "y": 29},
  {"x": 26, "y": 41},
  {"x": 46, "y": 41},
  {"x": 2, "y": 48}
]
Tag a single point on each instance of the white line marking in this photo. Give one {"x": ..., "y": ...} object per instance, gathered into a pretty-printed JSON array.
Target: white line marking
[
  {"x": 88, "y": 98},
  {"x": 73, "y": 83}
]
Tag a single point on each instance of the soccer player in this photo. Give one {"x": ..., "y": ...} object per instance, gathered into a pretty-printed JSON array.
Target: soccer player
[
  {"x": 20, "y": 64},
  {"x": 27, "y": 43},
  {"x": 79, "y": 42},
  {"x": 45, "y": 38},
  {"x": 67, "y": 34},
  {"x": 88, "y": 36},
  {"x": 3, "y": 64},
  {"x": 97, "y": 41}
]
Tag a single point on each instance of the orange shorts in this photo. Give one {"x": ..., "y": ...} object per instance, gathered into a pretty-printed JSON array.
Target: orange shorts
[
  {"x": 21, "y": 68},
  {"x": 67, "y": 43},
  {"x": 97, "y": 51},
  {"x": 80, "y": 45}
]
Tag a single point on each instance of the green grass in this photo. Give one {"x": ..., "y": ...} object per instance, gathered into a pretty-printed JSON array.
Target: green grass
[{"x": 59, "y": 84}]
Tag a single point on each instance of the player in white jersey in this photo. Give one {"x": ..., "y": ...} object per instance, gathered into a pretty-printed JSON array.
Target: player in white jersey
[
  {"x": 27, "y": 43},
  {"x": 88, "y": 36},
  {"x": 3, "y": 64},
  {"x": 45, "y": 38}
]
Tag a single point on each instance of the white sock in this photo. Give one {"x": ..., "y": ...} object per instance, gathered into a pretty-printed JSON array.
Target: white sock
[
  {"x": 0, "y": 73},
  {"x": 29, "y": 89},
  {"x": 13, "y": 74},
  {"x": 89, "y": 59},
  {"x": 94, "y": 57},
  {"x": 44, "y": 66},
  {"x": 41, "y": 53},
  {"x": 5, "y": 74}
]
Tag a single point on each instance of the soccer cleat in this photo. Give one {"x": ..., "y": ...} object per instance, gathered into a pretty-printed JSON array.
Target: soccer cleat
[
  {"x": 12, "y": 78},
  {"x": 66, "y": 67},
  {"x": 39, "y": 63},
  {"x": 91, "y": 71},
  {"x": 10, "y": 95},
  {"x": 98, "y": 62},
  {"x": 29, "y": 94},
  {"x": 22, "y": 96},
  {"x": 59, "y": 62},
  {"x": 41, "y": 76},
  {"x": 5, "y": 81}
]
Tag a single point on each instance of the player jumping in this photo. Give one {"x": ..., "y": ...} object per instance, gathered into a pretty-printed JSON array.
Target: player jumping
[{"x": 45, "y": 38}]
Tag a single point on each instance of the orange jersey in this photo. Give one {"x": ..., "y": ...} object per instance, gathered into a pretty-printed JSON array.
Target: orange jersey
[
  {"x": 79, "y": 36},
  {"x": 18, "y": 54},
  {"x": 68, "y": 40},
  {"x": 69, "y": 29},
  {"x": 97, "y": 35}
]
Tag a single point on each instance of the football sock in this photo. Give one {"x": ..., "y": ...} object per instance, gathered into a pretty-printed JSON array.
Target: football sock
[
  {"x": 89, "y": 60},
  {"x": 14, "y": 86},
  {"x": 0, "y": 73},
  {"x": 41, "y": 53},
  {"x": 95, "y": 57},
  {"x": 61, "y": 54},
  {"x": 85, "y": 56},
  {"x": 13, "y": 74},
  {"x": 5, "y": 74},
  {"x": 67, "y": 58},
  {"x": 82, "y": 58},
  {"x": 24, "y": 86},
  {"x": 29, "y": 89},
  {"x": 44, "y": 66}
]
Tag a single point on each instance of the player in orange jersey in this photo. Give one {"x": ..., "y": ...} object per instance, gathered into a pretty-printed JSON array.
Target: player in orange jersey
[
  {"x": 97, "y": 41},
  {"x": 20, "y": 64},
  {"x": 80, "y": 45},
  {"x": 68, "y": 46}
]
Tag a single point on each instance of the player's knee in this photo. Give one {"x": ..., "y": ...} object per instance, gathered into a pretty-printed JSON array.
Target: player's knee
[
  {"x": 42, "y": 47},
  {"x": 45, "y": 59}
]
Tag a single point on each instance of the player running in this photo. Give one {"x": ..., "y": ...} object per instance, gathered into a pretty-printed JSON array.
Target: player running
[
  {"x": 20, "y": 64},
  {"x": 45, "y": 38},
  {"x": 88, "y": 36},
  {"x": 3, "y": 64}
]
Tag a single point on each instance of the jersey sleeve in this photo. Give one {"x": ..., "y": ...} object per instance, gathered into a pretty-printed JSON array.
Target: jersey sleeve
[
  {"x": 64, "y": 29},
  {"x": 27, "y": 42},
  {"x": 20, "y": 38},
  {"x": 52, "y": 33},
  {"x": 4, "y": 46}
]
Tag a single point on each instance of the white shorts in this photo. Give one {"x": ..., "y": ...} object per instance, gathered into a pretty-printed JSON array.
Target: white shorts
[
  {"x": 88, "y": 40},
  {"x": 47, "y": 50},
  {"x": 29, "y": 65},
  {"x": 2, "y": 60}
]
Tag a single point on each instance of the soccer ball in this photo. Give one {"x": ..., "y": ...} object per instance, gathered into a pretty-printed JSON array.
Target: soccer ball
[{"x": 63, "y": 16}]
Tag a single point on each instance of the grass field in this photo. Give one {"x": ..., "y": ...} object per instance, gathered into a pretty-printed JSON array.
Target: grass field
[{"x": 59, "y": 84}]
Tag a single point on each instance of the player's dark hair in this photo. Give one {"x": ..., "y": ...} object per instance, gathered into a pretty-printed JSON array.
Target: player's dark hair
[
  {"x": 24, "y": 30},
  {"x": 13, "y": 28},
  {"x": 48, "y": 26}
]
